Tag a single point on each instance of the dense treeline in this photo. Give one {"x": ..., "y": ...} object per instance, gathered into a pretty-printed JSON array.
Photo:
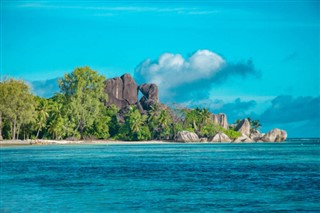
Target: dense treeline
[{"x": 79, "y": 112}]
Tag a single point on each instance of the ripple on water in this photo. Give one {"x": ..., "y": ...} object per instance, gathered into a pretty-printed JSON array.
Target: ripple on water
[{"x": 170, "y": 177}]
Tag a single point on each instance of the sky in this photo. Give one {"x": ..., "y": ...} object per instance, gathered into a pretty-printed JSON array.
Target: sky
[{"x": 258, "y": 59}]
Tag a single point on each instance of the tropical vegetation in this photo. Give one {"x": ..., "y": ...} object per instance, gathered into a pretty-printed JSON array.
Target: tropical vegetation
[{"x": 78, "y": 111}]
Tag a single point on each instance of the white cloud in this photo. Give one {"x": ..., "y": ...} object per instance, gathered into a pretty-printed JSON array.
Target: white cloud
[
  {"x": 186, "y": 79},
  {"x": 172, "y": 70}
]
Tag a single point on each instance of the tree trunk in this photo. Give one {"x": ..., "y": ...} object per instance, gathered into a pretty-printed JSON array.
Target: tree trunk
[
  {"x": 14, "y": 129},
  {"x": 1, "y": 126},
  {"x": 38, "y": 133},
  {"x": 18, "y": 132}
]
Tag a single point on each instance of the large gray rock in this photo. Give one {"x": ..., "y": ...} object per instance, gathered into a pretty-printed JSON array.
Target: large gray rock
[
  {"x": 243, "y": 127},
  {"x": 275, "y": 135},
  {"x": 147, "y": 104},
  {"x": 214, "y": 118},
  {"x": 150, "y": 91},
  {"x": 256, "y": 135},
  {"x": 186, "y": 136},
  {"x": 243, "y": 138},
  {"x": 122, "y": 91},
  {"x": 150, "y": 96},
  {"x": 220, "y": 119},
  {"x": 130, "y": 89},
  {"x": 220, "y": 137}
]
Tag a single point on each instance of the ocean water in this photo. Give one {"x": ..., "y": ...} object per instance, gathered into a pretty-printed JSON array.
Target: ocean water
[{"x": 162, "y": 177}]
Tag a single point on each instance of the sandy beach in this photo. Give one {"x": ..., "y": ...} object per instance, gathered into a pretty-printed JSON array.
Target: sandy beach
[{"x": 67, "y": 142}]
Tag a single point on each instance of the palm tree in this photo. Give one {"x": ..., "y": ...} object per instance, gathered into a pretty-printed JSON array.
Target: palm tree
[
  {"x": 204, "y": 117},
  {"x": 42, "y": 115},
  {"x": 164, "y": 124},
  {"x": 56, "y": 126},
  {"x": 135, "y": 120},
  {"x": 191, "y": 118},
  {"x": 163, "y": 119},
  {"x": 255, "y": 124}
]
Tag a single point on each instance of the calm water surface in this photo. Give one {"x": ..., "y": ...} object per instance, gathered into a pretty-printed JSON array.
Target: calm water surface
[{"x": 164, "y": 177}]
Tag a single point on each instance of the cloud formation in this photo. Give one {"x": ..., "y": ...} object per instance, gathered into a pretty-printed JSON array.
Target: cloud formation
[
  {"x": 181, "y": 79},
  {"x": 299, "y": 116},
  {"x": 287, "y": 109}
]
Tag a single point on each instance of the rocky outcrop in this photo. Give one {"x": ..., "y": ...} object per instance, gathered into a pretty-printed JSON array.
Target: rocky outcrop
[
  {"x": 243, "y": 127},
  {"x": 146, "y": 103},
  {"x": 122, "y": 91},
  {"x": 186, "y": 136},
  {"x": 150, "y": 91},
  {"x": 220, "y": 119},
  {"x": 243, "y": 138},
  {"x": 203, "y": 140},
  {"x": 275, "y": 135},
  {"x": 130, "y": 89},
  {"x": 150, "y": 96},
  {"x": 255, "y": 135},
  {"x": 220, "y": 137}
]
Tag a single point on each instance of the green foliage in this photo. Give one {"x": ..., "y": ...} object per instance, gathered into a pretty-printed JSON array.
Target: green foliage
[
  {"x": 164, "y": 121},
  {"x": 144, "y": 133},
  {"x": 16, "y": 106},
  {"x": 198, "y": 120},
  {"x": 100, "y": 128},
  {"x": 42, "y": 114},
  {"x": 79, "y": 112},
  {"x": 84, "y": 93},
  {"x": 231, "y": 133},
  {"x": 210, "y": 130},
  {"x": 135, "y": 127},
  {"x": 56, "y": 127},
  {"x": 113, "y": 124},
  {"x": 175, "y": 128},
  {"x": 255, "y": 124}
]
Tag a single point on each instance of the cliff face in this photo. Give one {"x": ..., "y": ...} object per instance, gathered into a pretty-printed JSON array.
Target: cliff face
[{"x": 122, "y": 91}]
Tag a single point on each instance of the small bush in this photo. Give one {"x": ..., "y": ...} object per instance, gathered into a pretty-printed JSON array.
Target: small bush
[{"x": 231, "y": 133}]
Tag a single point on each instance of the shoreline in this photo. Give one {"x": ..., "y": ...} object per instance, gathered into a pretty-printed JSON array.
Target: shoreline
[
  {"x": 9, "y": 143},
  {"x": 40, "y": 142},
  {"x": 6, "y": 143}
]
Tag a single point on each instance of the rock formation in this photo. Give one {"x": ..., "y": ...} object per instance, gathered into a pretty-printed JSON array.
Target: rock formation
[
  {"x": 203, "y": 140},
  {"x": 243, "y": 127},
  {"x": 146, "y": 103},
  {"x": 243, "y": 138},
  {"x": 150, "y": 95},
  {"x": 255, "y": 135},
  {"x": 220, "y": 137},
  {"x": 186, "y": 136},
  {"x": 122, "y": 91},
  {"x": 150, "y": 91},
  {"x": 220, "y": 119},
  {"x": 275, "y": 135}
]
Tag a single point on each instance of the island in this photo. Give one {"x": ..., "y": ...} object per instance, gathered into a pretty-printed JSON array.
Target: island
[{"x": 90, "y": 107}]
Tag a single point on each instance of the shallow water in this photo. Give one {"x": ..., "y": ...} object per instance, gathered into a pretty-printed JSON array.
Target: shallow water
[{"x": 164, "y": 177}]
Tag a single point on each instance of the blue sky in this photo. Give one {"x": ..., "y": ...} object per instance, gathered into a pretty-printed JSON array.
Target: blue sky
[{"x": 244, "y": 58}]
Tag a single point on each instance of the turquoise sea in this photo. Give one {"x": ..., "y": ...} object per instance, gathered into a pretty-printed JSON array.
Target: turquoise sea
[{"x": 258, "y": 177}]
